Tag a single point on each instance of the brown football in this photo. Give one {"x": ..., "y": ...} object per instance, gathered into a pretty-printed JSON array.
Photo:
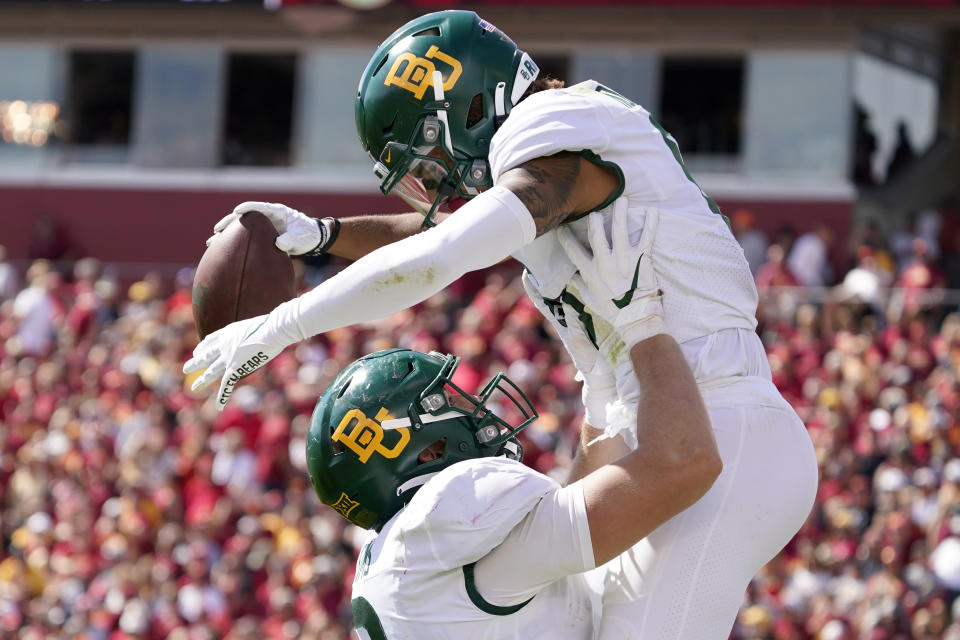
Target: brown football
[{"x": 242, "y": 274}]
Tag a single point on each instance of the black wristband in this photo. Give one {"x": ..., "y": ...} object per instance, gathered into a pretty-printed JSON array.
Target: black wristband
[
  {"x": 334, "y": 231},
  {"x": 327, "y": 237}
]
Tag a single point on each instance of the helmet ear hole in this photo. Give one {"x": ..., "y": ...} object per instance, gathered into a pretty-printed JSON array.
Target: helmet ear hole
[
  {"x": 475, "y": 115},
  {"x": 389, "y": 128},
  {"x": 433, "y": 452},
  {"x": 411, "y": 369}
]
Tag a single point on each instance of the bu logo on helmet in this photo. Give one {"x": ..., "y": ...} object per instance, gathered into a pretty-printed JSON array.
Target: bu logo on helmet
[
  {"x": 415, "y": 74},
  {"x": 366, "y": 436}
]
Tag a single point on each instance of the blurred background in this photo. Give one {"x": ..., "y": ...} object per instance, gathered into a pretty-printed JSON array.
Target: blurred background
[{"x": 829, "y": 132}]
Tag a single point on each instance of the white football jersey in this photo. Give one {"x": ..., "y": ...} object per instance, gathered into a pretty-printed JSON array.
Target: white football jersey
[
  {"x": 706, "y": 281},
  {"x": 415, "y": 579}
]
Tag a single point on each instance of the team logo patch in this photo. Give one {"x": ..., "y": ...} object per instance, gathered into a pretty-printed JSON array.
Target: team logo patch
[
  {"x": 363, "y": 564},
  {"x": 366, "y": 436},
  {"x": 344, "y": 505},
  {"x": 415, "y": 74}
]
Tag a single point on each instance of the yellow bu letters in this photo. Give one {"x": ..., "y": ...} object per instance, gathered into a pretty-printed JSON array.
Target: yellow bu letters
[
  {"x": 366, "y": 436},
  {"x": 415, "y": 74}
]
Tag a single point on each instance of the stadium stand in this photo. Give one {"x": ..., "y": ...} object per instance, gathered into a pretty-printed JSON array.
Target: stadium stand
[{"x": 130, "y": 509}]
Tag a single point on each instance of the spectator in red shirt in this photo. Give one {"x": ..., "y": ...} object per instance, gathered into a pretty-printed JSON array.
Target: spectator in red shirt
[
  {"x": 774, "y": 272},
  {"x": 920, "y": 275}
]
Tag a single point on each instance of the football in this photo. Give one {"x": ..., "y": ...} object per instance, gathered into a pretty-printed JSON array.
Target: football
[{"x": 242, "y": 274}]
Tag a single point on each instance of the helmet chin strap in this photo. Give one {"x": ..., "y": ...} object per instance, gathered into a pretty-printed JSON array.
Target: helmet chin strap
[
  {"x": 413, "y": 483},
  {"x": 511, "y": 449}
]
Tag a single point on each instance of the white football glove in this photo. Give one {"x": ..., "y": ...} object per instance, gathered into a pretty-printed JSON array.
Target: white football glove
[
  {"x": 621, "y": 284},
  {"x": 233, "y": 352},
  {"x": 298, "y": 233},
  {"x": 599, "y": 384}
]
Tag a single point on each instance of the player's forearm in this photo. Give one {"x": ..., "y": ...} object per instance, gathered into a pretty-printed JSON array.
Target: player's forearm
[
  {"x": 671, "y": 418},
  {"x": 361, "y": 235},
  {"x": 399, "y": 275},
  {"x": 592, "y": 453},
  {"x": 675, "y": 463}
]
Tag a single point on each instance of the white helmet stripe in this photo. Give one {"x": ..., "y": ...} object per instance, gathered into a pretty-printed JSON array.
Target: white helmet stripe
[
  {"x": 442, "y": 113},
  {"x": 399, "y": 423}
]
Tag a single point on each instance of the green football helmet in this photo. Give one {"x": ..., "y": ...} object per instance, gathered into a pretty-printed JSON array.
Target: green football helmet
[
  {"x": 431, "y": 99},
  {"x": 371, "y": 425}
]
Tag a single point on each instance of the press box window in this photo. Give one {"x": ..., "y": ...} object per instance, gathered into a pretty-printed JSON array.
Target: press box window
[
  {"x": 702, "y": 104},
  {"x": 259, "y": 111},
  {"x": 99, "y": 99}
]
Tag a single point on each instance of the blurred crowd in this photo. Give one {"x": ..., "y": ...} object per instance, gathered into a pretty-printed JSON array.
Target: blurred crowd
[
  {"x": 879, "y": 558},
  {"x": 129, "y": 508},
  {"x": 920, "y": 256}
]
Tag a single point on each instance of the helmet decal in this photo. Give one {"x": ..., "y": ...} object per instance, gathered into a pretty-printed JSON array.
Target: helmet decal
[
  {"x": 366, "y": 436},
  {"x": 415, "y": 74},
  {"x": 527, "y": 72},
  {"x": 344, "y": 505},
  {"x": 486, "y": 26}
]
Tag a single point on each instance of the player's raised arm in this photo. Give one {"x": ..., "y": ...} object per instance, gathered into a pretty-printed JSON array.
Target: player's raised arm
[
  {"x": 483, "y": 232},
  {"x": 676, "y": 459},
  {"x": 587, "y": 523},
  {"x": 675, "y": 463},
  {"x": 533, "y": 199},
  {"x": 300, "y": 235}
]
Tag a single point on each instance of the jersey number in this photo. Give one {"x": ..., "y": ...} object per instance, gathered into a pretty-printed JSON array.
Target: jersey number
[{"x": 365, "y": 620}]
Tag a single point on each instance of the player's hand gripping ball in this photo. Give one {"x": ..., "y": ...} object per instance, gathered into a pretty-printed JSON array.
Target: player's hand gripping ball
[
  {"x": 241, "y": 277},
  {"x": 297, "y": 233}
]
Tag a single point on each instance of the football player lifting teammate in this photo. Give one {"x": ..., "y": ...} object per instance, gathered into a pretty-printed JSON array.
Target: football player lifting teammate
[{"x": 692, "y": 471}]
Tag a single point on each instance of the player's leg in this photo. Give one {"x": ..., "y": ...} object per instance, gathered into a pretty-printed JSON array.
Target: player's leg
[{"x": 686, "y": 580}]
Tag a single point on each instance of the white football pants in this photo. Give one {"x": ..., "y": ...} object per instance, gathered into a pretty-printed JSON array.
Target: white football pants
[{"x": 686, "y": 580}]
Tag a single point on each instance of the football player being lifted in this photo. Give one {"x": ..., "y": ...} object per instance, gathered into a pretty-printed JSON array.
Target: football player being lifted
[{"x": 634, "y": 267}]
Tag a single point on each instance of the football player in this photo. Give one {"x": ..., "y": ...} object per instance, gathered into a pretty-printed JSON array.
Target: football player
[
  {"x": 626, "y": 256},
  {"x": 470, "y": 543}
]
